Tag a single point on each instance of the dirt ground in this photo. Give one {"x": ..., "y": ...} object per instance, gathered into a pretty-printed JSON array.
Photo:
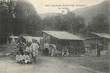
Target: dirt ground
[
  {"x": 43, "y": 65},
  {"x": 97, "y": 63}
]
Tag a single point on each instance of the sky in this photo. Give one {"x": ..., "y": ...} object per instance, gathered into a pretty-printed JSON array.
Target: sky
[{"x": 60, "y": 6}]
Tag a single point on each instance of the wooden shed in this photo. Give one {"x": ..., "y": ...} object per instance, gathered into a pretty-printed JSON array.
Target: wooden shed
[
  {"x": 98, "y": 43},
  {"x": 64, "y": 40},
  {"x": 102, "y": 42},
  {"x": 12, "y": 39}
]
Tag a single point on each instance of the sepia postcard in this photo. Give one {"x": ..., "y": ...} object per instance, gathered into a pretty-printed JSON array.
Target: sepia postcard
[{"x": 54, "y": 36}]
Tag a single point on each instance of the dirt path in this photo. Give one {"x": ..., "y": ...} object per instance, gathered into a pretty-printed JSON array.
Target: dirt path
[{"x": 44, "y": 65}]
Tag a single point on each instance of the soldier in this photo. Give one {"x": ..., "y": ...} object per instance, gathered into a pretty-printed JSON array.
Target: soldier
[{"x": 34, "y": 48}]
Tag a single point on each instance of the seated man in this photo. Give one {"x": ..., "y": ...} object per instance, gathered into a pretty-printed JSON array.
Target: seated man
[
  {"x": 65, "y": 52},
  {"x": 27, "y": 58}
]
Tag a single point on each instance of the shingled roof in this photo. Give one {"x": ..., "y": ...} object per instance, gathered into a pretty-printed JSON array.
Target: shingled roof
[{"x": 63, "y": 35}]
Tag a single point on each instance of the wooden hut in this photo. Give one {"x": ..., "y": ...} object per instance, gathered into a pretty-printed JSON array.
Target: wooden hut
[
  {"x": 64, "y": 40},
  {"x": 102, "y": 42},
  {"x": 98, "y": 43}
]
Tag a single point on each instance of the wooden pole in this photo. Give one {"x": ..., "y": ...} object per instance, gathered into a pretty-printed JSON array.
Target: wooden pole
[{"x": 97, "y": 47}]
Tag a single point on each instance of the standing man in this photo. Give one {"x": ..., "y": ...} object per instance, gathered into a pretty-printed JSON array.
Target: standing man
[
  {"x": 34, "y": 48},
  {"x": 46, "y": 50}
]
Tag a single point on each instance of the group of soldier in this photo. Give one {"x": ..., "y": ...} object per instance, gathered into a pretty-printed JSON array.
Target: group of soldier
[{"x": 26, "y": 52}]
